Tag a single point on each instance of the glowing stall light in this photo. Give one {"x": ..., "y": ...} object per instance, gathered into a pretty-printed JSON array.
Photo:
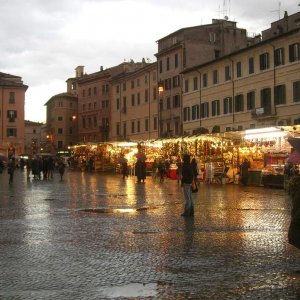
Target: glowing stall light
[{"x": 264, "y": 133}]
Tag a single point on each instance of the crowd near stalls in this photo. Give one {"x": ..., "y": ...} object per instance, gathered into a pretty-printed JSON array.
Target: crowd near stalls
[{"x": 218, "y": 156}]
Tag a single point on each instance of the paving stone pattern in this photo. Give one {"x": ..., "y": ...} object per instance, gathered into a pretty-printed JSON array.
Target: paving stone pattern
[{"x": 97, "y": 236}]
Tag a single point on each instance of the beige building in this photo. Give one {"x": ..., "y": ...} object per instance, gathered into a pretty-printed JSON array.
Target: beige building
[
  {"x": 33, "y": 137},
  {"x": 62, "y": 126},
  {"x": 183, "y": 49},
  {"x": 134, "y": 105},
  {"x": 94, "y": 102},
  {"x": 12, "y": 103},
  {"x": 257, "y": 86}
]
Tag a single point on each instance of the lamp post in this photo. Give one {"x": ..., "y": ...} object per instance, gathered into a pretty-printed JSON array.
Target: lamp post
[{"x": 160, "y": 106}]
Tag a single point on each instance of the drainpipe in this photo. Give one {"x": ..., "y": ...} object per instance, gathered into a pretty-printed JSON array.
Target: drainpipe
[
  {"x": 149, "y": 127},
  {"x": 274, "y": 77},
  {"x": 120, "y": 108},
  {"x": 200, "y": 97},
  {"x": 233, "y": 99}
]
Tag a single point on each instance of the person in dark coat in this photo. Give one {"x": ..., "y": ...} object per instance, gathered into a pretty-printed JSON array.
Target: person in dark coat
[
  {"x": 244, "y": 171},
  {"x": 140, "y": 170},
  {"x": 61, "y": 169},
  {"x": 11, "y": 169},
  {"x": 187, "y": 178},
  {"x": 294, "y": 229}
]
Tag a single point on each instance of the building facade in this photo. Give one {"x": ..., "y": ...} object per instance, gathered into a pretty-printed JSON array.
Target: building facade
[
  {"x": 183, "y": 49},
  {"x": 12, "y": 104},
  {"x": 62, "y": 125},
  {"x": 134, "y": 105},
  {"x": 33, "y": 137},
  {"x": 258, "y": 86},
  {"x": 94, "y": 102}
]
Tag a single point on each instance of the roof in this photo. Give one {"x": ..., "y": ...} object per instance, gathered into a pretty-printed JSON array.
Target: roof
[
  {"x": 268, "y": 41},
  {"x": 66, "y": 95}
]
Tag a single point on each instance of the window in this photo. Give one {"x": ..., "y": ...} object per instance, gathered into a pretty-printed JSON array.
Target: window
[
  {"x": 176, "y": 101},
  {"x": 11, "y": 115},
  {"x": 212, "y": 37},
  {"x": 195, "y": 83},
  {"x": 146, "y": 95},
  {"x": 138, "y": 98},
  {"x": 264, "y": 61},
  {"x": 265, "y": 100},
  {"x": 176, "y": 126},
  {"x": 132, "y": 127},
  {"x": 215, "y": 76},
  {"x": 204, "y": 79},
  {"x": 204, "y": 110},
  {"x": 118, "y": 104},
  {"x": 83, "y": 93},
  {"x": 132, "y": 100},
  {"x": 60, "y": 144},
  {"x": 195, "y": 112},
  {"x": 176, "y": 60},
  {"x": 11, "y": 132},
  {"x": 124, "y": 129},
  {"x": 83, "y": 122},
  {"x": 278, "y": 57},
  {"x": 296, "y": 91},
  {"x": 227, "y": 73},
  {"x": 59, "y": 118},
  {"x": 155, "y": 123},
  {"x": 59, "y": 131},
  {"x": 138, "y": 126},
  {"x": 138, "y": 82},
  {"x": 250, "y": 100},
  {"x": 175, "y": 81},
  {"x": 60, "y": 104},
  {"x": 186, "y": 85},
  {"x": 90, "y": 91},
  {"x": 146, "y": 79},
  {"x": 160, "y": 66},
  {"x": 124, "y": 86},
  {"x": 95, "y": 90},
  {"x": 251, "y": 65},
  {"x": 168, "y": 103},
  {"x": 215, "y": 108},
  {"x": 118, "y": 129},
  {"x": 238, "y": 69},
  {"x": 117, "y": 89},
  {"x": 12, "y": 97},
  {"x": 279, "y": 94},
  {"x": 227, "y": 105},
  {"x": 294, "y": 52},
  {"x": 239, "y": 103},
  {"x": 132, "y": 84},
  {"x": 146, "y": 124},
  {"x": 95, "y": 121},
  {"x": 154, "y": 93},
  {"x": 186, "y": 114},
  {"x": 168, "y": 63}
]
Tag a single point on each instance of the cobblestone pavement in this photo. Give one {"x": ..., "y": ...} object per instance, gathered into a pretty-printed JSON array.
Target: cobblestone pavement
[{"x": 95, "y": 236}]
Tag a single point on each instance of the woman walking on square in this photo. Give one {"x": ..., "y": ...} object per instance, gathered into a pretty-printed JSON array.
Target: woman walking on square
[{"x": 187, "y": 178}]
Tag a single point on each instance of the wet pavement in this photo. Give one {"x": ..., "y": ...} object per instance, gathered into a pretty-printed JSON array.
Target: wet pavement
[{"x": 95, "y": 236}]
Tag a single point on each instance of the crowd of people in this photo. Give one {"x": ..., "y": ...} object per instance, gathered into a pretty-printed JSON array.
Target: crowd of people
[{"x": 37, "y": 167}]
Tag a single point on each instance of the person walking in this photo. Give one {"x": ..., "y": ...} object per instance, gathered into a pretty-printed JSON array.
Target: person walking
[
  {"x": 61, "y": 169},
  {"x": 187, "y": 178},
  {"x": 179, "y": 170},
  {"x": 11, "y": 169},
  {"x": 244, "y": 170}
]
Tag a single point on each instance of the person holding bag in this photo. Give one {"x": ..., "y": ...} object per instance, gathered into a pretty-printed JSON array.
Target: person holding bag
[{"x": 186, "y": 181}]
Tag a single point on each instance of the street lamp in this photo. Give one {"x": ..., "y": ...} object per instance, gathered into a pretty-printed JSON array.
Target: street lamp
[{"x": 160, "y": 106}]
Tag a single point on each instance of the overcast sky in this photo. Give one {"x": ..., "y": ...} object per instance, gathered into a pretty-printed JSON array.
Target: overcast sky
[{"x": 43, "y": 41}]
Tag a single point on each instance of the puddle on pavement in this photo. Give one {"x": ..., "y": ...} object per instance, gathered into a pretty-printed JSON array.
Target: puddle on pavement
[
  {"x": 108, "y": 210},
  {"x": 131, "y": 290}
]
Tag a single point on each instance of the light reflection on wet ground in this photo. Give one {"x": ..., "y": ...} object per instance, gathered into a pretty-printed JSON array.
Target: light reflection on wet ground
[{"x": 95, "y": 236}]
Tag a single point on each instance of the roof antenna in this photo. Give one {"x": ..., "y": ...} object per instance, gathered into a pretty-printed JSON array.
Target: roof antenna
[{"x": 278, "y": 10}]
